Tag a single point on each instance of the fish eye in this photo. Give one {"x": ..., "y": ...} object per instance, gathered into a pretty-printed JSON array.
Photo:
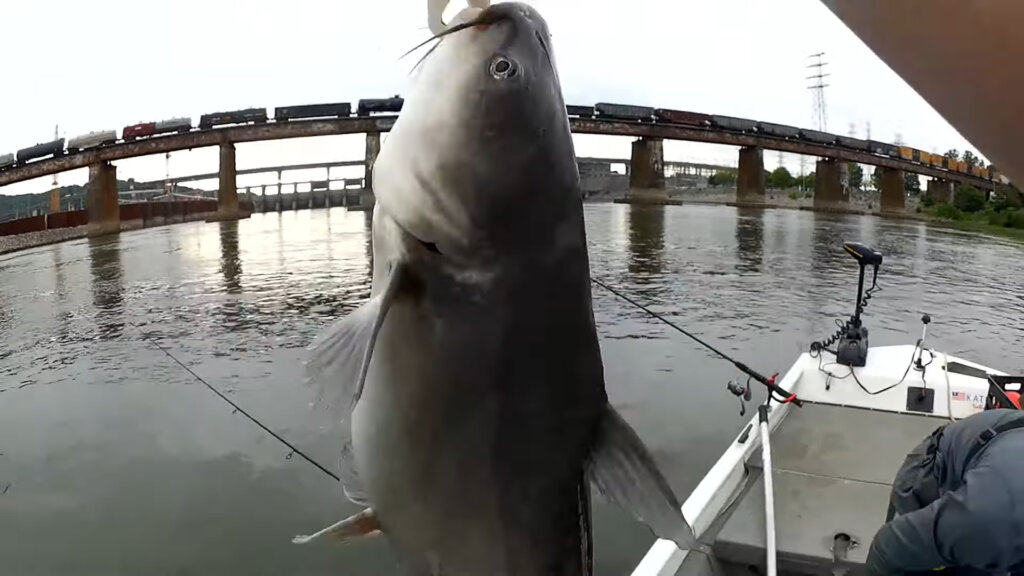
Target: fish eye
[{"x": 503, "y": 67}]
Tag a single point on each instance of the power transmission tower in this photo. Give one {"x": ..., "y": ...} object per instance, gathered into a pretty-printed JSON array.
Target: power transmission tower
[
  {"x": 54, "y": 192},
  {"x": 818, "y": 86},
  {"x": 867, "y": 130}
]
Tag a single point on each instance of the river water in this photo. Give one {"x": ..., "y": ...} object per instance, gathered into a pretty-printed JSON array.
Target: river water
[{"x": 115, "y": 460}]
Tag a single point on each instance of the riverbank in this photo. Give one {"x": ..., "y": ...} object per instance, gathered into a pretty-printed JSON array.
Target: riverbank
[
  {"x": 775, "y": 199},
  {"x": 16, "y": 242}
]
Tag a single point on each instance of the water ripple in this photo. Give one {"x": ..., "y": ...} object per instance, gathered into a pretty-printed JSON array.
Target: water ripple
[{"x": 100, "y": 430}]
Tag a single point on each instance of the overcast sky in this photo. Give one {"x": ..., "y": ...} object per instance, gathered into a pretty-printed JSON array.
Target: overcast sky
[{"x": 105, "y": 64}]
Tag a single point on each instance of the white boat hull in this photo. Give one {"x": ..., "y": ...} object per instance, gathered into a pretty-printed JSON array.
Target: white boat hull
[{"x": 843, "y": 443}]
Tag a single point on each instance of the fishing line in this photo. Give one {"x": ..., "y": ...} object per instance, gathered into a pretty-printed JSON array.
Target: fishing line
[
  {"x": 237, "y": 407},
  {"x": 769, "y": 382}
]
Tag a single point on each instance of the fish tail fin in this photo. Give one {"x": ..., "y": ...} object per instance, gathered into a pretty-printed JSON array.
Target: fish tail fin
[{"x": 625, "y": 473}]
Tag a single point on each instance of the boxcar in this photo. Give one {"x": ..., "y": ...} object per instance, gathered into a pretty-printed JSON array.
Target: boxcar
[
  {"x": 935, "y": 160},
  {"x": 258, "y": 115},
  {"x": 732, "y": 123},
  {"x": 906, "y": 152},
  {"x": 6, "y": 161},
  {"x": 816, "y": 136},
  {"x": 181, "y": 125},
  {"x": 780, "y": 130},
  {"x": 138, "y": 130},
  {"x": 624, "y": 111},
  {"x": 961, "y": 166},
  {"x": 581, "y": 111},
  {"x": 882, "y": 148},
  {"x": 380, "y": 105},
  {"x": 682, "y": 117},
  {"x": 286, "y": 113},
  {"x": 56, "y": 148},
  {"x": 851, "y": 142}
]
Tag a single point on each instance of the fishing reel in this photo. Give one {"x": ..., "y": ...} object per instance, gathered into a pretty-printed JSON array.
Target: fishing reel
[{"x": 742, "y": 391}]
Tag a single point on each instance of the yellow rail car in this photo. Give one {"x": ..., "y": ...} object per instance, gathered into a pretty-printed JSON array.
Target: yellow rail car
[{"x": 906, "y": 152}]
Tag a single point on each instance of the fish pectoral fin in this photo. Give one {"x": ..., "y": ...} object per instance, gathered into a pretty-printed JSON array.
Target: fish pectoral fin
[
  {"x": 340, "y": 355},
  {"x": 625, "y": 473},
  {"x": 361, "y": 525},
  {"x": 338, "y": 361}
]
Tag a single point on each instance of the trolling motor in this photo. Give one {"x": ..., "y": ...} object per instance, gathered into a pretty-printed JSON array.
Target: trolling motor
[{"x": 852, "y": 347}]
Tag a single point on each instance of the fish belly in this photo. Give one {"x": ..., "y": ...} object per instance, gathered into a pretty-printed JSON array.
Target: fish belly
[{"x": 472, "y": 430}]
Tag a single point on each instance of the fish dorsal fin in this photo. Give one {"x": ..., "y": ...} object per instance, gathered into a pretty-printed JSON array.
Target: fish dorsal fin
[
  {"x": 337, "y": 363},
  {"x": 624, "y": 472}
]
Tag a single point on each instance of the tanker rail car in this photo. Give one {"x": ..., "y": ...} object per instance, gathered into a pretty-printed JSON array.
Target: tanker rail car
[
  {"x": 54, "y": 148},
  {"x": 91, "y": 140},
  {"x": 371, "y": 106}
]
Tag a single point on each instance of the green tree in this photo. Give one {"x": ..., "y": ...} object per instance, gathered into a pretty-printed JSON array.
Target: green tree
[
  {"x": 1007, "y": 198},
  {"x": 780, "y": 178},
  {"x": 856, "y": 175},
  {"x": 954, "y": 154},
  {"x": 911, "y": 183},
  {"x": 970, "y": 159},
  {"x": 722, "y": 178},
  {"x": 807, "y": 181},
  {"x": 967, "y": 198}
]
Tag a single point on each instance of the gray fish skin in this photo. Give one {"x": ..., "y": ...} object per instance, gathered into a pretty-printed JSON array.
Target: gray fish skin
[{"x": 474, "y": 375}]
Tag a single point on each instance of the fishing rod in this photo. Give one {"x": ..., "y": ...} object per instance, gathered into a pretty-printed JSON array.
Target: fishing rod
[{"x": 769, "y": 382}]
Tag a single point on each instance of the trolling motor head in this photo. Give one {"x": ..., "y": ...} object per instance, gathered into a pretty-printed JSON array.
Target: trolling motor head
[
  {"x": 852, "y": 337},
  {"x": 853, "y": 345}
]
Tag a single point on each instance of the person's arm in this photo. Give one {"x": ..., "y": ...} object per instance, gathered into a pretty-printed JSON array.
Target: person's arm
[{"x": 962, "y": 528}]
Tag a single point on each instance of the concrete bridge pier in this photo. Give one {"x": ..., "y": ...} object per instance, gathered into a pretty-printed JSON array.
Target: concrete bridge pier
[
  {"x": 372, "y": 150},
  {"x": 227, "y": 193},
  {"x": 647, "y": 172},
  {"x": 828, "y": 183},
  {"x": 940, "y": 191},
  {"x": 894, "y": 198},
  {"x": 104, "y": 213},
  {"x": 750, "y": 176}
]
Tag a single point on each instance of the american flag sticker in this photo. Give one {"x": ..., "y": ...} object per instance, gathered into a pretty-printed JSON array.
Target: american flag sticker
[{"x": 957, "y": 395}]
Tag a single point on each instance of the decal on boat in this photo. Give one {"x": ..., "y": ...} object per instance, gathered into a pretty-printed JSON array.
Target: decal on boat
[{"x": 977, "y": 399}]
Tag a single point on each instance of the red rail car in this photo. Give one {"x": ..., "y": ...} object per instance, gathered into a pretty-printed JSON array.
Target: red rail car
[
  {"x": 132, "y": 132},
  {"x": 681, "y": 117}
]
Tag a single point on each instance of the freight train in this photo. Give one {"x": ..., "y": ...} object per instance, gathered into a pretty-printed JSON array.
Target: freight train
[
  {"x": 600, "y": 111},
  {"x": 629, "y": 113}
]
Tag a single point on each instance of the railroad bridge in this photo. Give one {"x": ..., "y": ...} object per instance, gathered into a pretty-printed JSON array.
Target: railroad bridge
[{"x": 646, "y": 171}]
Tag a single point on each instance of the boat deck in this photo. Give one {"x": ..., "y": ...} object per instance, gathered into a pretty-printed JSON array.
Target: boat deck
[{"x": 832, "y": 469}]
